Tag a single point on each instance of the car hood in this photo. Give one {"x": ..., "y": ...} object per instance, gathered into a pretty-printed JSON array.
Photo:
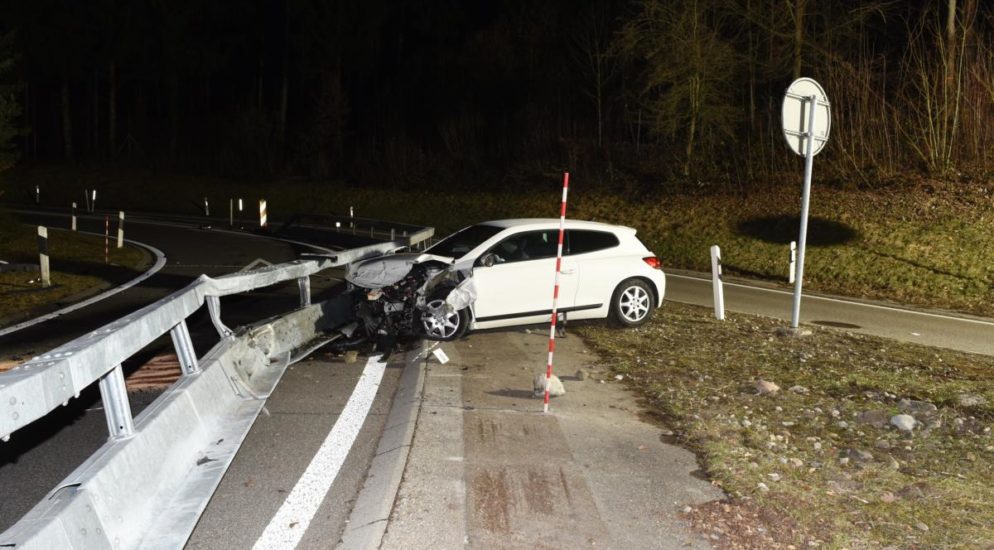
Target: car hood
[{"x": 387, "y": 270}]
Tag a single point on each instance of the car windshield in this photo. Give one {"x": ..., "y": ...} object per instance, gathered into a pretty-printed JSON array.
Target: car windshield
[{"x": 461, "y": 242}]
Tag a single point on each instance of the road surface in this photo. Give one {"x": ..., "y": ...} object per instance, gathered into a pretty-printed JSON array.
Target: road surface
[{"x": 931, "y": 328}]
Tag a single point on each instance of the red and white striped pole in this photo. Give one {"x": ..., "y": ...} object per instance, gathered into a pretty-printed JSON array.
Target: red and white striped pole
[{"x": 555, "y": 291}]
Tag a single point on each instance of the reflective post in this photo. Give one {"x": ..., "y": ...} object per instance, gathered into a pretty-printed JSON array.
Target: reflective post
[
  {"x": 717, "y": 283},
  {"x": 120, "y": 229}
]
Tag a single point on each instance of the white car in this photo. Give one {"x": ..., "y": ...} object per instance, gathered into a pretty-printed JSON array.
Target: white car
[{"x": 605, "y": 272}]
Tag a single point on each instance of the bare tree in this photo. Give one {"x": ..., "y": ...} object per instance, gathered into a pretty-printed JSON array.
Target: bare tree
[
  {"x": 591, "y": 51},
  {"x": 689, "y": 73}
]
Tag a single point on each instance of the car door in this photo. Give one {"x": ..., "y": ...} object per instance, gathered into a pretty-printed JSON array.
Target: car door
[
  {"x": 517, "y": 288},
  {"x": 596, "y": 254}
]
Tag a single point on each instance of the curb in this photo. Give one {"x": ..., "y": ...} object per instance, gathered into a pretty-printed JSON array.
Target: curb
[{"x": 368, "y": 520}]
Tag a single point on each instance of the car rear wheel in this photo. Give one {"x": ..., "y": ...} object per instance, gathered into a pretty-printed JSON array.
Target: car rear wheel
[
  {"x": 439, "y": 324},
  {"x": 632, "y": 303}
]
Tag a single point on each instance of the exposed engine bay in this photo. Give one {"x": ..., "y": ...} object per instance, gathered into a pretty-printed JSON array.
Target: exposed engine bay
[{"x": 403, "y": 297}]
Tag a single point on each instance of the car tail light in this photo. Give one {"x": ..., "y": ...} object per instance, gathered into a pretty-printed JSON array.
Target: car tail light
[{"x": 653, "y": 262}]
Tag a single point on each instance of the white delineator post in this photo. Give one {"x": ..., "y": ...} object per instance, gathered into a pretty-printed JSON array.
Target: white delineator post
[
  {"x": 793, "y": 261},
  {"x": 263, "y": 216},
  {"x": 106, "y": 239},
  {"x": 207, "y": 208},
  {"x": 93, "y": 201},
  {"x": 73, "y": 224},
  {"x": 718, "y": 285},
  {"x": 120, "y": 229},
  {"x": 46, "y": 278},
  {"x": 555, "y": 292}
]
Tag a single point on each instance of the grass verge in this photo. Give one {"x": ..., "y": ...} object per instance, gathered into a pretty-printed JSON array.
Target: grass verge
[
  {"x": 77, "y": 263},
  {"x": 817, "y": 462}
]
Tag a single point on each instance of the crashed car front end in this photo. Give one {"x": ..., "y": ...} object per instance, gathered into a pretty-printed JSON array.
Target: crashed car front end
[{"x": 401, "y": 297}]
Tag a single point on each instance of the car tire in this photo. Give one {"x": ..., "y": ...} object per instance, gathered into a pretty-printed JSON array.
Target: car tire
[
  {"x": 632, "y": 303},
  {"x": 435, "y": 324}
]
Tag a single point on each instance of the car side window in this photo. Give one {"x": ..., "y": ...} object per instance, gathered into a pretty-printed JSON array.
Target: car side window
[
  {"x": 582, "y": 241},
  {"x": 530, "y": 245}
]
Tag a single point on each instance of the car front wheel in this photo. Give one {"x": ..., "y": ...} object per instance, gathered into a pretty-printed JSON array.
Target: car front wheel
[
  {"x": 632, "y": 303},
  {"x": 439, "y": 324}
]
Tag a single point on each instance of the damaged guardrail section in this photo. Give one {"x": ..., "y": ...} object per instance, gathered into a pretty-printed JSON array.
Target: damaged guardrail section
[{"x": 147, "y": 486}]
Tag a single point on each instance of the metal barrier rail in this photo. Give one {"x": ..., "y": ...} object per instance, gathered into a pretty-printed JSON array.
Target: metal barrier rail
[
  {"x": 146, "y": 487},
  {"x": 36, "y": 387}
]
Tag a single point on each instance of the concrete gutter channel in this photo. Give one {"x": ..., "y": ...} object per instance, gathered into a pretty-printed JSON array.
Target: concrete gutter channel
[{"x": 467, "y": 459}]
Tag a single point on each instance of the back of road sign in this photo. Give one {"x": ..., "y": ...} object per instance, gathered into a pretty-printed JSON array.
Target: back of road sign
[{"x": 796, "y": 115}]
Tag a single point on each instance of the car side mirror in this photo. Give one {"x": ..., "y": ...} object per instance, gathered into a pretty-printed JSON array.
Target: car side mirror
[{"x": 488, "y": 259}]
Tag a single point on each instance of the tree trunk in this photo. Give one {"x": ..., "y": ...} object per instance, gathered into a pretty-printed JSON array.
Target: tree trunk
[
  {"x": 95, "y": 135},
  {"x": 799, "y": 7},
  {"x": 112, "y": 109},
  {"x": 173, "y": 115},
  {"x": 284, "y": 89},
  {"x": 258, "y": 99},
  {"x": 66, "y": 121}
]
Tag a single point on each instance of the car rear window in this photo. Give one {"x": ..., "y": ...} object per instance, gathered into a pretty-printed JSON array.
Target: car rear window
[
  {"x": 464, "y": 240},
  {"x": 582, "y": 241}
]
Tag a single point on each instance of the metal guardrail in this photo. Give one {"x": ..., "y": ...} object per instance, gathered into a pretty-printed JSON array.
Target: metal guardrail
[{"x": 149, "y": 469}]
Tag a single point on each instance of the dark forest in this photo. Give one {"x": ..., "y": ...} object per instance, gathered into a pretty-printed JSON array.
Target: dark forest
[{"x": 444, "y": 91}]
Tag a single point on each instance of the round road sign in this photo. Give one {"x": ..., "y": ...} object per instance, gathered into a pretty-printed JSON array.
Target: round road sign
[{"x": 797, "y": 116}]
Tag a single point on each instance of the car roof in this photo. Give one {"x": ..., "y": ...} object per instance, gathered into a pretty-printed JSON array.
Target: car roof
[{"x": 547, "y": 223}]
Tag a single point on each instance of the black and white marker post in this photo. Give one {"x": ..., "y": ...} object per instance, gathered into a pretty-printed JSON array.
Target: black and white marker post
[
  {"x": 73, "y": 224},
  {"x": 46, "y": 279},
  {"x": 120, "y": 229},
  {"x": 718, "y": 288},
  {"x": 807, "y": 120}
]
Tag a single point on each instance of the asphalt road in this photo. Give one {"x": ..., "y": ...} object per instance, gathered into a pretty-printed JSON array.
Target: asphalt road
[{"x": 931, "y": 328}]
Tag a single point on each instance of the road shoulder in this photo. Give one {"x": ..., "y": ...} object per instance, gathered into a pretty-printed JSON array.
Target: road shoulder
[{"x": 488, "y": 469}]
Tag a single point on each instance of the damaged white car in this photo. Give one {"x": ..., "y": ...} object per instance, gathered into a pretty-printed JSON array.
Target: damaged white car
[{"x": 501, "y": 273}]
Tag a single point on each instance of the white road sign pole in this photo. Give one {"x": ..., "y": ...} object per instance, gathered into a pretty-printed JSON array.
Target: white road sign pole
[
  {"x": 807, "y": 121},
  {"x": 805, "y": 200}
]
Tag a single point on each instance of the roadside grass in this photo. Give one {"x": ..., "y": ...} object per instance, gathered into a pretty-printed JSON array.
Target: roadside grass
[
  {"x": 77, "y": 266},
  {"x": 925, "y": 243},
  {"x": 813, "y": 456}
]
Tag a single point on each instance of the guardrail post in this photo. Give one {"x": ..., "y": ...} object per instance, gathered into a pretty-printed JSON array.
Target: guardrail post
[
  {"x": 184, "y": 348},
  {"x": 214, "y": 307},
  {"x": 117, "y": 408},
  {"x": 304, "y": 283}
]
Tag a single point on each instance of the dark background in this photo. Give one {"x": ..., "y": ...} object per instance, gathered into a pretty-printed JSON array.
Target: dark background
[{"x": 471, "y": 93}]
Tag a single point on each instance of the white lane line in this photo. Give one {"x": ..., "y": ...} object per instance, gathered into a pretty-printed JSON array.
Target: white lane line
[
  {"x": 848, "y": 302},
  {"x": 160, "y": 261},
  {"x": 294, "y": 516}
]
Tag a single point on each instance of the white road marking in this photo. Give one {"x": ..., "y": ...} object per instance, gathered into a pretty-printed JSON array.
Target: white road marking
[
  {"x": 848, "y": 302},
  {"x": 295, "y": 514}
]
